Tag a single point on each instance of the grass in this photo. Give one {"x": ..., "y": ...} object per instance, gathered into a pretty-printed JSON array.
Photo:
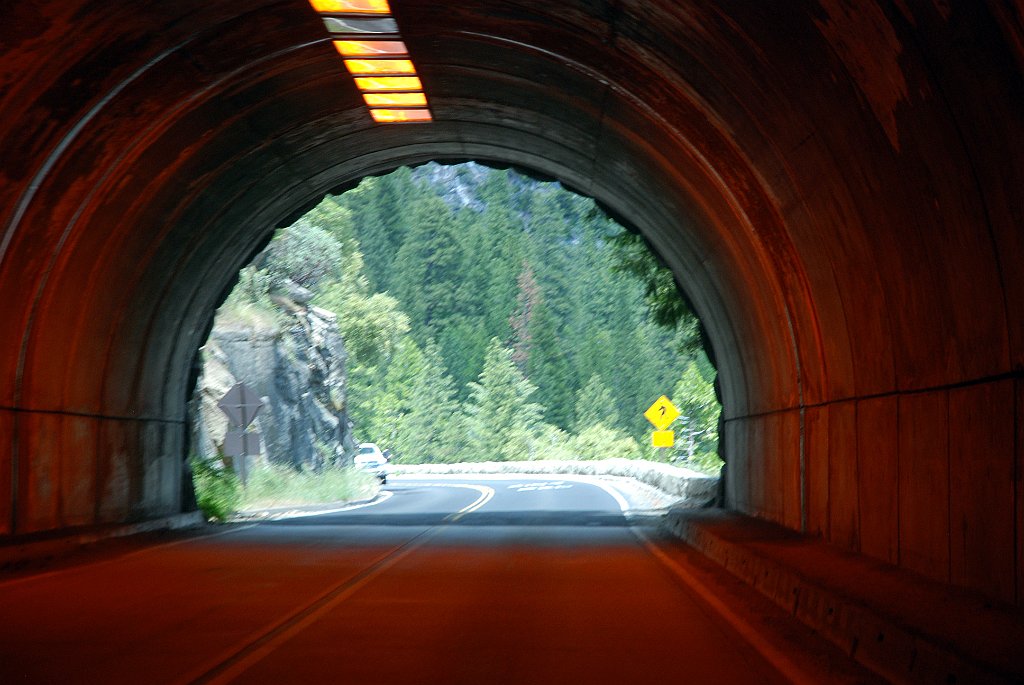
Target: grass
[
  {"x": 249, "y": 315},
  {"x": 273, "y": 486}
]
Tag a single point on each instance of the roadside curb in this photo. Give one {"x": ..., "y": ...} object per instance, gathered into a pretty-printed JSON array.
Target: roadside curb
[
  {"x": 31, "y": 548},
  {"x": 899, "y": 625}
]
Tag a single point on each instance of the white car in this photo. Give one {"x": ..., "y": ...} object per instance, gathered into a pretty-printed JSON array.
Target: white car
[{"x": 372, "y": 460}]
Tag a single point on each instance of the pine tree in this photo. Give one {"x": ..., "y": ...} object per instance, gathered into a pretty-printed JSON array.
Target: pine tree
[
  {"x": 381, "y": 215},
  {"x": 595, "y": 405},
  {"x": 428, "y": 269},
  {"x": 503, "y": 422},
  {"x": 527, "y": 301},
  {"x": 697, "y": 427},
  {"x": 432, "y": 428},
  {"x": 380, "y": 396},
  {"x": 549, "y": 368}
]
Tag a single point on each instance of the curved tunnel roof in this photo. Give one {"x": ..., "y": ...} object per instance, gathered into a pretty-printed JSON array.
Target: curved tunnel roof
[{"x": 835, "y": 185}]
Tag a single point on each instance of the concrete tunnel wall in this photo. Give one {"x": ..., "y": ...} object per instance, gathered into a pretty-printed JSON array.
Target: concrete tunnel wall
[{"x": 835, "y": 184}]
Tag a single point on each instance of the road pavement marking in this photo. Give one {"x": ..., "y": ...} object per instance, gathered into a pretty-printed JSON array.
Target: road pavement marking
[
  {"x": 486, "y": 493},
  {"x": 778, "y": 659},
  {"x": 540, "y": 485},
  {"x": 615, "y": 494},
  {"x": 240, "y": 658}
]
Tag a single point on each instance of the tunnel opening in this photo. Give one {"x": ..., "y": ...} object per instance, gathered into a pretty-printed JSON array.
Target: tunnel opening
[{"x": 448, "y": 314}]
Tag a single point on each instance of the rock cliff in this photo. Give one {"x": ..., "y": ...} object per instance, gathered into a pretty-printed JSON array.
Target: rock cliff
[{"x": 297, "y": 366}]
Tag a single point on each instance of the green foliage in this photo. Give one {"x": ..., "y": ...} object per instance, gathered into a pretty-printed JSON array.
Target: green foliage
[
  {"x": 427, "y": 277},
  {"x": 428, "y": 269},
  {"x": 218, "y": 491},
  {"x": 382, "y": 395},
  {"x": 598, "y": 441},
  {"x": 502, "y": 420},
  {"x": 632, "y": 256},
  {"x": 249, "y": 304},
  {"x": 697, "y": 427},
  {"x": 304, "y": 253},
  {"x": 595, "y": 405},
  {"x": 372, "y": 326},
  {"x": 432, "y": 428}
]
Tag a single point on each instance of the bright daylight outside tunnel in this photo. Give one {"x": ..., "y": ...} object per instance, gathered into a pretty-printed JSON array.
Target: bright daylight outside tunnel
[
  {"x": 449, "y": 315},
  {"x": 834, "y": 185}
]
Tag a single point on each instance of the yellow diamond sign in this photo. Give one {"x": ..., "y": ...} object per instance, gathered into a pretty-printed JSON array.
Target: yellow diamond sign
[{"x": 662, "y": 413}]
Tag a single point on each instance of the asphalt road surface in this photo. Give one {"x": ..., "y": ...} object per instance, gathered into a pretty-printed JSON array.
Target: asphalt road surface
[{"x": 524, "y": 580}]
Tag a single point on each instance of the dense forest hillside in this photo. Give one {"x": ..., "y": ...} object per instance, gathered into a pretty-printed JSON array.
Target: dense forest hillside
[{"x": 492, "y": 316}]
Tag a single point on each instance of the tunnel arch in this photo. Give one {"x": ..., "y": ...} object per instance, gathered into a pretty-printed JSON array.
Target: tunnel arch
[{"x": 832, "y": 182}]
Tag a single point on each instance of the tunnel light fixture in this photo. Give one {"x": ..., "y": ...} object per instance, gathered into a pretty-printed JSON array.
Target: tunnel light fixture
[
  {"x": 380, "y": 66},
  {"x": 386, "y": 84},
  {"x": 370, "y": 48},
  {"x": 366, "y": 36},
  {"x": 351, "y": 6},
  {"x": 395, "y": 99},
  {"x": 399, "y": 116}
]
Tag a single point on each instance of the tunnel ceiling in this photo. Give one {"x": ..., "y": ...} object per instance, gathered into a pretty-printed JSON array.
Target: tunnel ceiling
[{"x": 835, "y": 184}]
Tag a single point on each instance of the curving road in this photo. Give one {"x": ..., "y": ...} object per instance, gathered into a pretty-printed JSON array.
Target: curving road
[{"x": 524, "y": 580}]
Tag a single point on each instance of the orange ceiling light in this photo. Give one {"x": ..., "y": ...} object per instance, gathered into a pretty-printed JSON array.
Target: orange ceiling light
[
  {"x": 388, "y": 84},
  {"x": 351, "y": 6},
  {"x": 400, "y": 116},
  {"x": 370, "y": 48},
  {"x": 379, "y": 66},
  {"x": 395, "y": 99},
  {"x": 366, "y": 36}
]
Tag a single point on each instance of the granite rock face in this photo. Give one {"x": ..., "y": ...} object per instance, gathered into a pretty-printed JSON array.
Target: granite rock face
[{"x": 297, "y": 368}]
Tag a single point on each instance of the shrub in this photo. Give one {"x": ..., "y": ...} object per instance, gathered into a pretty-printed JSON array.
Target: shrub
[
  {"x": 217, "y": 488},
  {"x": 600, "y": 442}
]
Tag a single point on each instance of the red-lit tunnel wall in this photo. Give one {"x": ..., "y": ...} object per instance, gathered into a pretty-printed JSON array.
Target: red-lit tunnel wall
[{"x": 836, "y": 185}]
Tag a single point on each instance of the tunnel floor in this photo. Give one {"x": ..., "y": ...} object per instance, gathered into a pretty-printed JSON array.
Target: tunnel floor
[{"x": 535, "y": 587}]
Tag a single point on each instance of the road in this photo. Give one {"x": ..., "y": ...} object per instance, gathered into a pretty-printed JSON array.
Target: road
[{"x": 523, "y": 580}]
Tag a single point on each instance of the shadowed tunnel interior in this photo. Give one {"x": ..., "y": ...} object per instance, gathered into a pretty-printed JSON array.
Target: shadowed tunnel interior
[{"x": 835, "y": 184}]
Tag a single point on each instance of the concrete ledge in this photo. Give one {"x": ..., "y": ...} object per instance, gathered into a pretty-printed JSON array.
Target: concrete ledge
[
  {"x": 22, "y": 549},
  {"x": 677, "y": 482},
  {"x": 904, "y": 627}
]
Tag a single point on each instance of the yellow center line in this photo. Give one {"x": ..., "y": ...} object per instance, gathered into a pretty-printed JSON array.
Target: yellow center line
[
  {"x": 240, "y": 658},
  {"x": 486, "y": 493}
]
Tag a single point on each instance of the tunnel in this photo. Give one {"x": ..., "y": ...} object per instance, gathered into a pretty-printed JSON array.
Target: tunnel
[{"x": 836, "y": 185}]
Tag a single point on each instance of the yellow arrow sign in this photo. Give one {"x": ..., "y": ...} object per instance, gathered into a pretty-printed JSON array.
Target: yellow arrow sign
[{"x": 662, "y": 413}]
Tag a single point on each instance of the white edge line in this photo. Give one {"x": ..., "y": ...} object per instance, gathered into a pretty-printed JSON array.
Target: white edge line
[
  {"x": 778, "y": 659},
  {"x": 615, "y": 494},
  {"x": 384, "y": 497}
]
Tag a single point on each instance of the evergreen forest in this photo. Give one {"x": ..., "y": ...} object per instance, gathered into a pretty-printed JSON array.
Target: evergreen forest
[{"x": 490, "y": 316}]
